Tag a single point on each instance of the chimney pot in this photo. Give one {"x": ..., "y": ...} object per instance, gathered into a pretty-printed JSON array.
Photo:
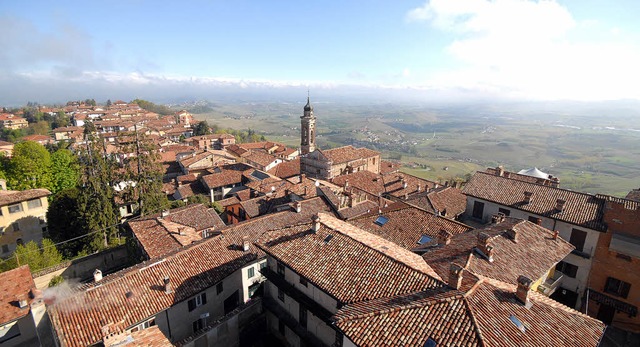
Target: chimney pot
[
  {"x": 167, "y": 285},
  {"x": 522, "y": 292},
  {"x": 560, "y": 204},
  {"x": 298, "y": 206},
  {"x": 500, "y": 170},
  {"x": 539, "y": 221},
  {"x": 22, "y": 300},
  {"x": 418, "y": 188},
  {"x": 97, "y": 275},
  {"x": 484, "y": 247},
  {"x": 444, "y": 237},
  {"x": 527, "y": 197},
  {"x": 555, "y": 234},
  {"x": 497, "y": 218},
  {"x": 513, "y": 234},
  {"x": 245, "y": 244},
  {"x": 316, "y": 223},
  {"x": 165, "y": 213},
  {"x": 406, "y": 196},
  {"x": 455, "y": 276}
]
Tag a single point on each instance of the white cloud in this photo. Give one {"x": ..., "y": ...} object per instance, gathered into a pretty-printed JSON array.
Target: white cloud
[{"x": 527, "y": 48}]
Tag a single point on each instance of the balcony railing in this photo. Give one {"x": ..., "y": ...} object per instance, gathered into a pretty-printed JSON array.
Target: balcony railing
[{"x": 552, "y": 283}]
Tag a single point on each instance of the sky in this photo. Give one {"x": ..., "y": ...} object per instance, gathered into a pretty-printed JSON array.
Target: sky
[{"x": 586, "y": 50}]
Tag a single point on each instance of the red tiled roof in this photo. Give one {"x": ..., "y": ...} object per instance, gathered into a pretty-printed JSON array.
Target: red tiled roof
[
  {"x": 355, "y": 264},
  {"x": 580, "y": 209},
  {"x": 229, "y": 174},
  {"x": 449, "y": 200},
  {"x": 535, "y": 253},
  {"x": 8, "y": 197},
  {"x": 389, "y": 167},
  {"x": 406, "y": 224},
  {"x": 348, "y": 153},
  {"x": 286, "y": 169},
  {"x": 78, "y": 319},
  {"x": 260, "y": 158},
  {"x": 183, "y": 226},
  {"x": 13, "y": 284},
  {"x": 392, "y": 183},
  {"x": 478, "y": 317}
]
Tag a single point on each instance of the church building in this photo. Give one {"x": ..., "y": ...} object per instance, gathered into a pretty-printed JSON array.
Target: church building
[{"x": 327, "y": 164}]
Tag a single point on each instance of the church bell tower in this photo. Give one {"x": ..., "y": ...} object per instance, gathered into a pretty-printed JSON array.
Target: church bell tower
[{"x": 308, "y": 129}]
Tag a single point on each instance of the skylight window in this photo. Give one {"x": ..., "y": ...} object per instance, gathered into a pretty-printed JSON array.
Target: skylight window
[
  {"x": 518, "y": 323},
  {"x": 430, "y": 343},
  {"x": 328, "y": 238},
  {"x": 381, "y": 220},
  {"x": 424, "y": 239}
]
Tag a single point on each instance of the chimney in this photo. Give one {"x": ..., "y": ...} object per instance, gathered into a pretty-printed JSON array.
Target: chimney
[
  {"x": 245, "y": 244},
  {"x": 497, "y": 218},
  {"x": 22, "y": 300},
  {"x": 404, "y": 184},
  {"x": 522, "y": 292},
  {"x": 555, "y": 234},
  {"x": 500, "y": 171},
  {"x": 297, "y": 206},
  {"x": 165, "y": 213},
  {"x": 97, "y": 275},
  {"x": 181, "y": 231},
  {"x": 167, "y": 285},
  {"x": 406, "y": 196},
  {"x": 444, "y": 237},
  {"x": 346, "y": 184},
  {"x": 560, "y": 204},
  {"x": 538, "y": 221},
  {"x": 302, "y": 177},
  {"x": 513, "y": 234},
  {"x": 484, "y": 247},
  {"x": 316, "y": 223},
  {"x": 527, "y": 197},
  {"x": 436, "y": 186},
  {"x": 455, "y": 276},
  {"x": 418, "y": 188}
]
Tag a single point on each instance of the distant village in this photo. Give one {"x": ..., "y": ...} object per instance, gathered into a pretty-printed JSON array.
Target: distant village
[{"x": 256, "y": 243}]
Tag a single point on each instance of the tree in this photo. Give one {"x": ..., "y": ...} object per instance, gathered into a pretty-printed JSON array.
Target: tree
[
  {"x": 64, "y": 220},
  {"x": 40, "y": 128},
  {"x": 29, "y": 167},
  {"x": 37, "y": 257},
  {"x": 145, "y": 171},
  {"x": 60, "y": 120},
  {"x": 65, "y": 170},
  {"x": 201, "y": 128},
  {"x": 95, "y": 201},
  {"x": 108, "y": 103}
]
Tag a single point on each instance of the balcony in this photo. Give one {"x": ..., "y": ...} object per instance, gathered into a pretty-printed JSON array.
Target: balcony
[{"x": 552, "y": 283}]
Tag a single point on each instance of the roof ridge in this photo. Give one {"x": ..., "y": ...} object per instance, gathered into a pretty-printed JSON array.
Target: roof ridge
[
  {"x": 384, "y": 243},
  {"x": 539, "y": 185}
]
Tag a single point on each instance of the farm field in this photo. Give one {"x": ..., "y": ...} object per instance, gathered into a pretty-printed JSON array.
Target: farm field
[{"x": 591, "y": 148}]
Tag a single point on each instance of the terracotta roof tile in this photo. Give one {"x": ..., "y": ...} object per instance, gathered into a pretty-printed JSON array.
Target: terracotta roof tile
[
  {"x": 406, "y": 225},
  {"x": 478, "y": 317},
  {"x": 346, "y": 251},
  {"x": 228, "y": 174},
  {"x": 286, "y": 169},
  {"x": 579, "y": 209},
  {"x": 535, "y": 252},
  {"x": 348, "y": 153},
  {"x": 8, "y": 197},
  {"x": 14, "y": 284}
]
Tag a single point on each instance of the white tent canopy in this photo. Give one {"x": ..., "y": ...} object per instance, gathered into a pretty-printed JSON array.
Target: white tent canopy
[{"x": 534, "y": 172}]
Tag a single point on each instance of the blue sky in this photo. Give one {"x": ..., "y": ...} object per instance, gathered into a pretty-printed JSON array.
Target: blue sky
[{"x": 521, "y": 49}]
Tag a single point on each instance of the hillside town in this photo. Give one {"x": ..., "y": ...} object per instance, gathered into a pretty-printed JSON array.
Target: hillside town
[{"x": 219, "y": 239}]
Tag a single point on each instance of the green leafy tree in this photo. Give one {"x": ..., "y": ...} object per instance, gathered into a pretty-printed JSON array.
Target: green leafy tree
[
  {"x": 109, "y": 103},
  {"x": 96, "y": 199},
  {"x": 39, "y": 128},
  {"x": 201, "y": 128},
  {"x": 36, "y": 256},
  {"x": 145, "y": 172},
  {"x": 60, "y": 120},
  {"x": 65, "y": 170},
  {"x": 150, "y": 106},
  {"x": 64, "y": 220},
  {"x": 29, "y": 167}
]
